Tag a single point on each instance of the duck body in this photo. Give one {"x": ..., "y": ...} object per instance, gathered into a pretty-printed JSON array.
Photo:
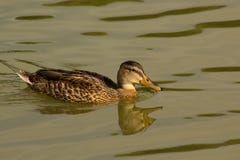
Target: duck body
[
  {"x": 74, "y": 86},
  {"x": 85, "y": 86}
]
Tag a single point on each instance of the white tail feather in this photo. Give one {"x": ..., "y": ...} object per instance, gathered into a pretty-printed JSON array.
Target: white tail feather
[{"x": 23, "y": 75}]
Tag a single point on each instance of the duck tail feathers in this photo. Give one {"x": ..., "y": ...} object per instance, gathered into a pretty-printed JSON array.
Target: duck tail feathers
[{"x": 22, "y": 74}]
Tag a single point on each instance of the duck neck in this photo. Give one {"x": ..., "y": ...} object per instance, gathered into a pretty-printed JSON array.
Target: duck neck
[
  {"x": 128, "y": 87},
  {"x": 127, "y": 90}
]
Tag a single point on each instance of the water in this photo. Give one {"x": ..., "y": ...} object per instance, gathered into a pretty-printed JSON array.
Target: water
[{"x": 190, "y": 48}]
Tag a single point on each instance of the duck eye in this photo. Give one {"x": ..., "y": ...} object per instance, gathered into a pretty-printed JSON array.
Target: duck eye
[{"x": 133, "y": 70}]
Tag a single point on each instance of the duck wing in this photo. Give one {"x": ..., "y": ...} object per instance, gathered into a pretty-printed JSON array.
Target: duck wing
[
  {"x": 75, "y": 86},
  {"x": 74, "y": 77}
]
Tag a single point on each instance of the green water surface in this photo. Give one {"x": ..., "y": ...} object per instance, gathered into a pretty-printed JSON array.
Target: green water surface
[{"x": 189, "y": 48}]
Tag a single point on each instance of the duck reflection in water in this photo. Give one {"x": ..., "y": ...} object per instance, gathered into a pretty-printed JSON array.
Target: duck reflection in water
[
  {"x": 133, "y": 119},
  {"x": 65, "y": 109}
]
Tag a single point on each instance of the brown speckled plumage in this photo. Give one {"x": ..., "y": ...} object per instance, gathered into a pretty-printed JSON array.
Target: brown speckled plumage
[
  {"x": 75, "y": 86},
  {"x": 88, "y": 87}
]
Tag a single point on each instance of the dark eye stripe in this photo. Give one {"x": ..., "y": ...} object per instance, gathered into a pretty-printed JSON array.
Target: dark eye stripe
[{"x": 134, "y": 70}]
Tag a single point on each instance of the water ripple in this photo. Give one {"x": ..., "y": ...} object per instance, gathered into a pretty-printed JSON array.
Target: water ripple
[
  {"x": 182, "y": 89},
  {"x": 162, "y": 14},
  {"x": 16, "y": 51},
  {"x": 182, "y": 148},
  {"x": 94, "y": 33},
  {"x": 211, "y": 115},
  {"x": 32, "y": 42},
  {"x": 222, "y": 69},
  {"x": 198, "y": 28},
  {"x": 87, "y": 3},
  {"x": 165, "y": 82},
  {"x": 31, "y": 63},
  {"x": 35, "y": 17},
  {"x": 234, "y": 111},
  {"x": 184, "y": 74}
]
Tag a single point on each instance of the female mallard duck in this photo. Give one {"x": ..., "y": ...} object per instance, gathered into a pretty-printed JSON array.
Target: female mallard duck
[{"x": 88, "y": 87}]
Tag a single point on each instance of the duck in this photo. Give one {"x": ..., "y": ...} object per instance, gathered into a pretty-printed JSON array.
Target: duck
[{"x": 88, "y": 87}]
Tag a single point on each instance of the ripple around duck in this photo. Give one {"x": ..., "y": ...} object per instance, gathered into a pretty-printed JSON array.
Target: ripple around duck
[
  {"x": 198, "y": 28},
  {"x": 182, "y": 89},
  {"x": 7, "y": 74},
  {"x": 31, "y": 63},
  {"x": 182, "y": 148},
  {"x": 87, "y": 3},
  {"x": 162, "y": 14},
  {"x": 35, "y": 17},
  {"x": 222, "y": 69}
]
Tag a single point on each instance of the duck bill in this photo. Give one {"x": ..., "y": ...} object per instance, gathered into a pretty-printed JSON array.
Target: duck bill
[{"x": 148, "y": 83}]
